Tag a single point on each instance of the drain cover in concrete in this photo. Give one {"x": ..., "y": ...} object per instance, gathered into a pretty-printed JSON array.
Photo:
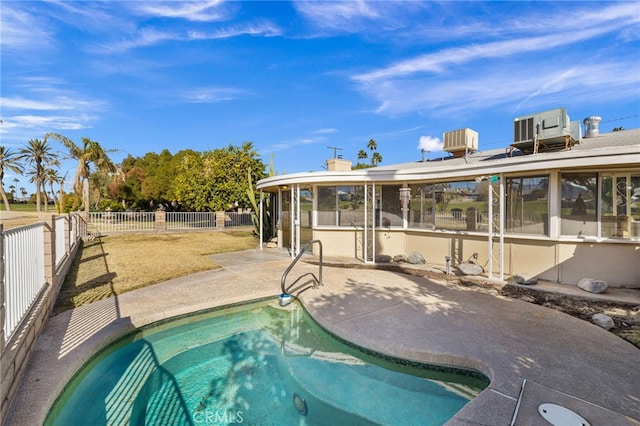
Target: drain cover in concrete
[{"x": 560, "y": 416}]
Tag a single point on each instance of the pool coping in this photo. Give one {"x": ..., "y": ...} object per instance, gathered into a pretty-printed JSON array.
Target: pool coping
[{"x": 396, "y": 314}]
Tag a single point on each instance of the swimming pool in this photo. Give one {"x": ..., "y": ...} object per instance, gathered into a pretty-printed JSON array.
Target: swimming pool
[{"x": 256, "y": 363}]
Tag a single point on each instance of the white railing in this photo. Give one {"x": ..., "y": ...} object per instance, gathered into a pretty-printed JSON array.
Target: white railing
[
  {"x": 60, "y": 240},
  {"x": 24, "y": 274},
  {"x": 191, "y": 220},
  {"x": 104, "y": 222},
  {"x": 122, "y": 221},
  {"x": 237, "y": 219}
]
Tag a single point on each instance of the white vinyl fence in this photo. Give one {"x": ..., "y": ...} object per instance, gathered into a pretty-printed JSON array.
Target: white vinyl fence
[
  {"x": 106, "y": 222},
  {"x": 122, "y": 221},
  {"x": 28, "y": 266},
  {"x": 24, "y": 274},
  {"x": 61, "y": 240},
  {"x": 190, "y": 220},
  {"x": 34, "y": 260}
]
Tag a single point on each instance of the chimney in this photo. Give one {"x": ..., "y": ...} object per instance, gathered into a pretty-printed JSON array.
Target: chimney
[
  {"x": 338, "y": 165},
  {"x": 592, "y": 126}
]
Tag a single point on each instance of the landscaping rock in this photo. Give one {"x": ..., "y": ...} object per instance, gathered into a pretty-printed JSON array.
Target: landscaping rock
[
  {"x": 521, "y": 280},
  {"x": 272, "y": 243},
  {"x": 416, "y": 258},
  {"x": 468, "y": 268},
  {"x": 383, "y": 258},
  {"x": 603, "y": 321},
  {"x": 592, "y": 285},
  {"x": 399, "y": 258}
]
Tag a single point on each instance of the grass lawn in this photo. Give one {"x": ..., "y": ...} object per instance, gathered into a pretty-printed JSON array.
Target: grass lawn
[
  {"x": 114, "y": 264},
  {"x": 26, "y": 207}
]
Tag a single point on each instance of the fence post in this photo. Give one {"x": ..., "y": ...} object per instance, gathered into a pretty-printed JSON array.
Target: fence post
[
  {"x": 220, "y": 220},
  {"x": 67, "y": 234},
  {"x": 2, "y": 301},
  {"x": 161, "y": 221},
  {"x": 50, "y": 250}
]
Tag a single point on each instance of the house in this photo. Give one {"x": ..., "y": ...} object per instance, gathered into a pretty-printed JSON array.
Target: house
[{"x": 553, "y": 205}]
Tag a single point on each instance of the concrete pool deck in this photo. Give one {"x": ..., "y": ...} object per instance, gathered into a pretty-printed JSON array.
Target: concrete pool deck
[{"x": 531, "y": 354}]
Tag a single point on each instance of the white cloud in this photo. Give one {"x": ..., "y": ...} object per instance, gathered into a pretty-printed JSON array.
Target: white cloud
[
  {"x": 334, "y": 14},
  {"x": 57, "y": 103},
  {"x": 507, "y": 82},
  {"x": 357, "y": 16},
  {"x": 437, "y": 62},
  {"x": 325, "y": 131},
  {"x": 44, "y": 122},
  {"x": 20, "y": 31},
  {"x": 44, "y": 104},
  {"x": 295, "y": 143},
  {"x": 266, "y": 29},
  {"x": 211, "y": 95},
  {"x": 143, "y": 38},
  {"x": 430, "y": 144},
  {"x": 197, "y": 11}
]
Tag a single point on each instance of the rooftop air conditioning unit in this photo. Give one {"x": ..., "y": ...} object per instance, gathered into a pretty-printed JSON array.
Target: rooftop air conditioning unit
[
  {"x": 544, "y": 130},
  {"x": 460, "y": 141}
]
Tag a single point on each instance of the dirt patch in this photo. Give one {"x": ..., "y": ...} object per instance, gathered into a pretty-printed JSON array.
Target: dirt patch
[{"x": 625, "y": 317}]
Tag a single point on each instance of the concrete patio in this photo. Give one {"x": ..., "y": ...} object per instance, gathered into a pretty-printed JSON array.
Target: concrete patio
[{"x": 531, "y": 354}]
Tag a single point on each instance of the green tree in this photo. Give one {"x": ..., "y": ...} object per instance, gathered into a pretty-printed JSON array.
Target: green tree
[
  {"x": 52, "y": 177},
  {"x": 38, "y": 155},
  {"x": 8, "y": 160},
  {"x": 267, "y": 221},
  {"x": 375, "y": 157},
  {"x": 216, "y": 180},
  {"x": 88, "y": 154}
]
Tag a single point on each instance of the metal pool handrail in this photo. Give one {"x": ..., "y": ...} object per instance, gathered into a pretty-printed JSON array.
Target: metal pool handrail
[{"x": 317, "y": 279}]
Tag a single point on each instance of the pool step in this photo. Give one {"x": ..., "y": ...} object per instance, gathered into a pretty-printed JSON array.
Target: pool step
[{"x": 373, "y": 392}]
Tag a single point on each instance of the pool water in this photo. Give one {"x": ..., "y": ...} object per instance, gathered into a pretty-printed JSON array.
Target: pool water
[{"x": 255, "y": 364}]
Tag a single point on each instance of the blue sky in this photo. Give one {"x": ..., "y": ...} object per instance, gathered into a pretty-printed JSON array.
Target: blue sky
[{"x": 297, "y": 77}]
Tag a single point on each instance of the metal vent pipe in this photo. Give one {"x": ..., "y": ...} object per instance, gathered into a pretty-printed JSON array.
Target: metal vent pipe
[{"x": 592, "y": 126}]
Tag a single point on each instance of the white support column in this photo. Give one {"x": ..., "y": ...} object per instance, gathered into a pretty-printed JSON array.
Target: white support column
[
  {"x": 373, "y": 221},
  {"x": 490, "y": 230},
  {"x": 297, "y": 219},
  {"x": 554, "y": 204},
  {"x": 365, "y": 242},
  {"x": 405, "y": 197},
  {"x": 502, "y": 212},
  {"x": 278, "y": 220},
  {"x": 260, "y": 221},
  {"x": 292, "y": 221}
]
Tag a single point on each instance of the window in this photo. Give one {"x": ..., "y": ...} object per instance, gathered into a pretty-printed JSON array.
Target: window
[
  {"x": 620, "y": 205},
  {"x": 327, "y": 205},
  {"x": 388, "y": 198},
  {"x": 341, "y": 205},
  {"x": 449, "y": 206},
  {"x": 527, "y": 205},
  {"x": 578, "y": 204}
]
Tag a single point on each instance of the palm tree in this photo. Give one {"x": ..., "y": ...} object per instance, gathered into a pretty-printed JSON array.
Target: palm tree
[
  {"x": 52, "y": 177},
  {"x": 37, "y": 154},
  {"x": 376, "y": 158},
  {"x": 10, "y": 161},
  {"x": 89, "y": 153}
]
